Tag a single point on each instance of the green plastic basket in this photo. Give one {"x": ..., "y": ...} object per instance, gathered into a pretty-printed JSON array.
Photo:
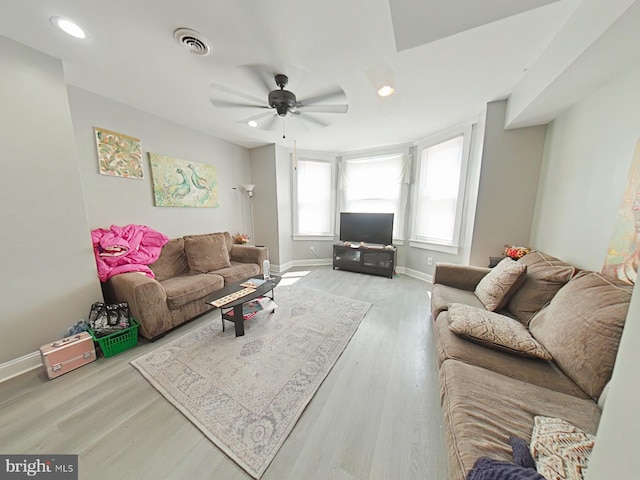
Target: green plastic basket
[{"x": 118, "y": 342}]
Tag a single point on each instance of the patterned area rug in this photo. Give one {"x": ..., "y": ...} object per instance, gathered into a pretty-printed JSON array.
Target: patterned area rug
[{"x": 247, "y": 393}]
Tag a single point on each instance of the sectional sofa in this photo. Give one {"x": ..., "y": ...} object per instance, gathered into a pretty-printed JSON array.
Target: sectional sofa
[
  {"x": 189, "y": 269},
  {"x": 526, "y": 340}
]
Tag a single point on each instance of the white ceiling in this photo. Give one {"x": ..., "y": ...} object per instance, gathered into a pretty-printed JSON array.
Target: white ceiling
[{"x": 442, "y": 76}]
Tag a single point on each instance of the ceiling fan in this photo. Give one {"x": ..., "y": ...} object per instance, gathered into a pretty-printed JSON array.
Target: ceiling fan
[{"x": 281, "y": 102}]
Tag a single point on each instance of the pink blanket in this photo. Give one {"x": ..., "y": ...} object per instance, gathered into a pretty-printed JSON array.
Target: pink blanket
[{"x": 126, "y": 249}]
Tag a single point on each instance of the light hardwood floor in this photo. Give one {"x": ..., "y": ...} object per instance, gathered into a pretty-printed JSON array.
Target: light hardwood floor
[{"x": 376, "y": 416}]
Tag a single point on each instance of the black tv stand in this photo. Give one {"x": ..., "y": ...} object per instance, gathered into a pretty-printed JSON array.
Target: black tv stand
[{"x": 375, "y": 260}]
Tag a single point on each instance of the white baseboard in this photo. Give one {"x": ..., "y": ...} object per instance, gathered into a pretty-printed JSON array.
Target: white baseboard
[
  {"x": 312, "y": 262},
  {"x": 415, "y": 274},
  {"x": 275, "y": 268},
  {"x": 18, "y": 366}
]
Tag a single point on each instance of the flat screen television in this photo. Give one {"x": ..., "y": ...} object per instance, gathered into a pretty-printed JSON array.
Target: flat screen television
[{"x": 375, "y": 228}]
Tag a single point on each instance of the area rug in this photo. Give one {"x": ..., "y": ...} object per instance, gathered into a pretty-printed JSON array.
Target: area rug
[{"x": 246, "y": 393}]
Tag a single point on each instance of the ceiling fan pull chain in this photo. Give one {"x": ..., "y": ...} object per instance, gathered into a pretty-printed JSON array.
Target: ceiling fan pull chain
[{"x": 283, "y": 128}]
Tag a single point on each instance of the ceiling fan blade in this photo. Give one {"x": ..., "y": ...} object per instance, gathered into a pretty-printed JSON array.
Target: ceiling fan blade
[
  {"x": 255, "y": 118},
  {"x": 263, "y": 75},
  {"x": 310, "y": 119},
  {"x": 299, "y": 121},
  {"x": 271, "y": 123},
  {"x": 323, "y": 108},
  {"x": 231, "y": 91},
  {"x": 225, "y": 104},
  {"x": 323, "y": 97}
]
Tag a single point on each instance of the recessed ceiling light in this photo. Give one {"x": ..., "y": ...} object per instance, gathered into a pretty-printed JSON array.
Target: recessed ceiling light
[
  {"x": 385, "y": 91},
  {"x": 252, "y": 123},
  {"x": 68, "y": 27}
]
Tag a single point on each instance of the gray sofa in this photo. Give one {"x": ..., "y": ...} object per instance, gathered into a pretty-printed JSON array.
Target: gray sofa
[
  {"x": 188, "y": 270},
  {"x": 489, "y": 392}
]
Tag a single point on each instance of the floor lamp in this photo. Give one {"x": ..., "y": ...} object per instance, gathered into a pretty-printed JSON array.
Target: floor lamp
[{"x": 249, "y": 189}]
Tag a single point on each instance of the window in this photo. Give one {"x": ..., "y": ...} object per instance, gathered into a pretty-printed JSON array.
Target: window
[
  {"x": 312, "y": 188},
  {"x": 439, "y": 189},
  {"x": 376, "y": 184}
]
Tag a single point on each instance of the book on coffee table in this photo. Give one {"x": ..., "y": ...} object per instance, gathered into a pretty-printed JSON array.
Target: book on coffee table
[
  {"x": 252, "y": 283},
  {"x": 246, "y": 316},
  {"x": 249, "y": 310}
]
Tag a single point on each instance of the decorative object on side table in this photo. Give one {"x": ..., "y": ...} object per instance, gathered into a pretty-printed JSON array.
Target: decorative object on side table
[
  {"x": 493, "y": 261},
  {"x": 241, "y": 238},
  {"x": 514, "y": 252}
]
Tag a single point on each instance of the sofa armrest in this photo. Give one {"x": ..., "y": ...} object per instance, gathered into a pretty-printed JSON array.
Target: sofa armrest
[
  {"x": 464, "y": 277},
  {"x": 147, "y": 301},
  {"x": 249, "y": 254}
]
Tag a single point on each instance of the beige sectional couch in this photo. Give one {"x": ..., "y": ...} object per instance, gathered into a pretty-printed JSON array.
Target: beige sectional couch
[
  {"x": 189, "y": 269},
  {"x": 490, "y": 391}
]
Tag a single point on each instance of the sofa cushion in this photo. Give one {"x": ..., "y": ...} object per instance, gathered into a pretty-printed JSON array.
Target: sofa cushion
[
  {"x": 238, "y": 271},
  {"x": 545, "y": 276},
  {"x": 481, "y": 409},
  {"x": 494, "y": 331},
  {"x": 560, "y": 449},
  {"x": 443, "y": 295},
  {"x": 582, "y": 326},
  {"x": 500, "y": 283},
  {"x": 531, "y": 370},
  {"x": 172, "y": 261},
  {"x": 206, "y": 253},
  {"x": 184, "y": 289}
]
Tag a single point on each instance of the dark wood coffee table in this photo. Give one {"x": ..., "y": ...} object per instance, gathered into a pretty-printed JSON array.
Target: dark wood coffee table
[{"x": 237, "y": 318}]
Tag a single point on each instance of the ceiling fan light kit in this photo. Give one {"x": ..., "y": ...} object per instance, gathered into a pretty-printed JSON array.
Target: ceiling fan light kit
[{"x": 282, "y": 100}]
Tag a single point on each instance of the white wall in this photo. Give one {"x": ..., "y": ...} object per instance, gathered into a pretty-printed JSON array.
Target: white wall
[
  {"x": 285, "y": 210},
  {"x": 508, "y": 182},
  {"x": 121, "y": 201},
  {"x": 48, "y": 270},
  {"x": 265, "y": 201},
  {"x": 584, "y": 172},
  {"x": 586, "y": 162}
]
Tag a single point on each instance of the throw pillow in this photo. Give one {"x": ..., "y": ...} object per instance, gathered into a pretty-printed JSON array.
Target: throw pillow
[
  {"x": 582, "y": 326},
  {"x": 172, "y": 261},
  {"x": 500, "y": 283},
  {"x": 206, "y": 253},
  {"x": 545, "y": 276},
  {"x": 494, "y": 330},
  {"x": 561, "y": 450}
]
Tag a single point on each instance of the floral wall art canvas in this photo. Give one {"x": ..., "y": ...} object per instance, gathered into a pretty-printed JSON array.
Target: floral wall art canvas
[
  {"x": 119, "y": 155},
  {"x": 181, "y": 183},
  {"x": 623, "y": 255}
]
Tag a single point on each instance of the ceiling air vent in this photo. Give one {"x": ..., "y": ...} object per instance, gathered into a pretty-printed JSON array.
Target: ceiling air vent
[{"x": 193, "y": 41}]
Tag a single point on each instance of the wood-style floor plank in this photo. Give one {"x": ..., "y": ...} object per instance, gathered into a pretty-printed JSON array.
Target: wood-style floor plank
[{"x": 376, "y": 416}]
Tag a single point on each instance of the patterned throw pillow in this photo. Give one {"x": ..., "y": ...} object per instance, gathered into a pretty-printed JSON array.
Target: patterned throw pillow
[
  {"x": 500, "y": 283},
  {"x": 561, "y": 450},
  {"x": 494, "y": 330}
]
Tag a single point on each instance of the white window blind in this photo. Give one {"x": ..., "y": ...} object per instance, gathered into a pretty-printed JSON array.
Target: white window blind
[
  {"x": 314, "y": 197},
  {"x": 439, "y": 189}
]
